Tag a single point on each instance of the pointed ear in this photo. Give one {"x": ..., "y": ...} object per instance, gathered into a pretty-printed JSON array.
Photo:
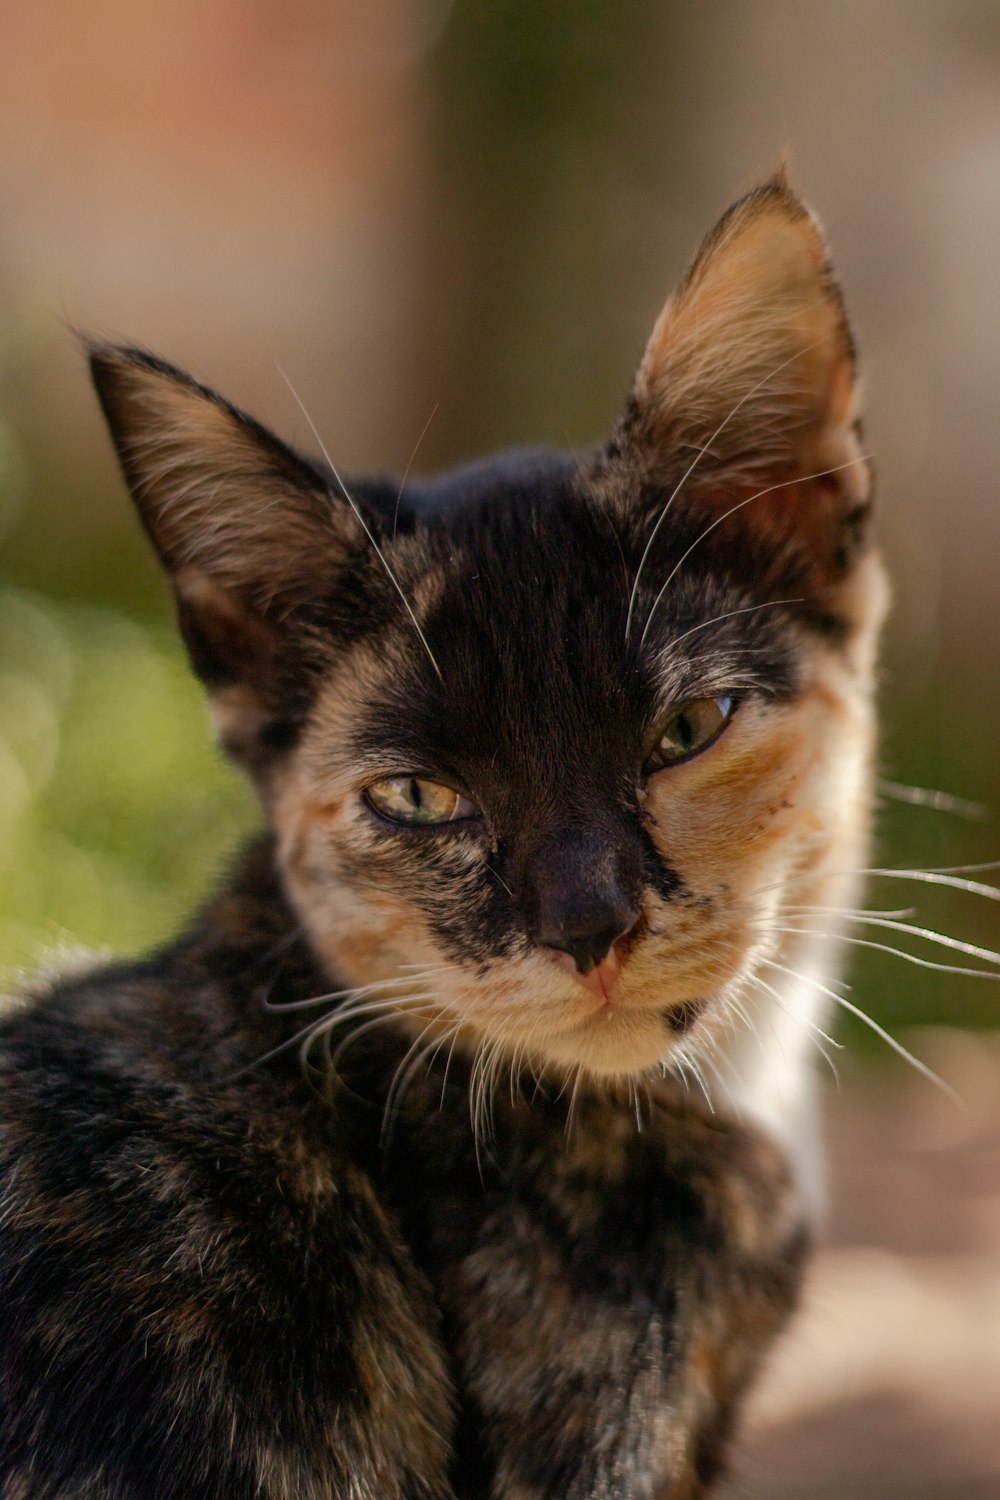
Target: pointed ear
[
  {"x": 246, "y": 528},
  {"x": 749, "y": 381}
]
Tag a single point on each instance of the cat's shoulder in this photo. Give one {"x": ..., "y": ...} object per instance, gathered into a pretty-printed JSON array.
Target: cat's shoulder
[{"x": 134, "y": 1068}]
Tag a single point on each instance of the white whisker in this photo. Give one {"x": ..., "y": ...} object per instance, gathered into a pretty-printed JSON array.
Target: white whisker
[
  {"x": 325, "y": 1033},
  {"x": 409, "y": 466},
  {"x": 951, "y": 877},
  {"x": 364, "y": 524},
  {"x": 910, "y": 958},
  {"x": 574, "y": 1094},
  {"x": 633, "y": 1091},
  {"x": 304, "y": 1035},
  {"x": 879, "y": 1031},
  {"x": 401, "y": 1079},
  {"x": 447, "y": 1063},
  {"x": 354, "y": 993},
  {"x": 802, "y": 1020},
  {"x": 712, "y": 1063},
  {"x": 944, "y": 875},
  {"x": 682, "y": 1057},
  {"x": 922, "y": 796},
  {"x": 899, "y": 912},
  {"x": 799, "y": 354},
  {"x": 785, "y": 484},
  {"x": 729, "y": 615},
  {"x": 807, "y": 1023},
  {"x": 973, "y": 950},
  {"x": 384, "y": 1014},
  {"x": 498, "y": 876}
]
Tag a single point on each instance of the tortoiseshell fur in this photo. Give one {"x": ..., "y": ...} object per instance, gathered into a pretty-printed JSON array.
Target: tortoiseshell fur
[
  {"x": 219, "y": 1282},
  {"x": 482, "y": 1241}
]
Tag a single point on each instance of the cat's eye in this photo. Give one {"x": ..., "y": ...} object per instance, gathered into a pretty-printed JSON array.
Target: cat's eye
[
  {"x": 415, "y": 800},
  {"x": 692, "y": 727}
]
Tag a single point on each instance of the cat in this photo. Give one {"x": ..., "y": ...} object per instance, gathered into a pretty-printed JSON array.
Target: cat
[{"x": 464, "y": 1145}]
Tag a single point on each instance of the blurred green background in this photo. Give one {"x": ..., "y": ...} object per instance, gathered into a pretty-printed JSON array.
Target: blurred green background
[
  {"x": 453, "y": 225},
  {"x": 464, "y": 215}
]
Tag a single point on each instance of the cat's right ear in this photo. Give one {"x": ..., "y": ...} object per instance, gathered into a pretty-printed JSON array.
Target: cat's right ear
[
  {"x": 248, "y": 531},
  {"x": 747, "y": 394}
]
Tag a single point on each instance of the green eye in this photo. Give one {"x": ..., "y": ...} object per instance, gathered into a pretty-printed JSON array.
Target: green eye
[
  {"x": 412, "y": 799},
  {"x": 691, "y": 728}
]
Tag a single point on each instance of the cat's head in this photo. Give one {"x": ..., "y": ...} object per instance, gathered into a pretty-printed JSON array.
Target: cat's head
[{"x": 547, "y": 737}]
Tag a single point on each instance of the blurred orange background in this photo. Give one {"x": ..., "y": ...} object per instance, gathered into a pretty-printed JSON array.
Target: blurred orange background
[{"x": 453, "y": 225}]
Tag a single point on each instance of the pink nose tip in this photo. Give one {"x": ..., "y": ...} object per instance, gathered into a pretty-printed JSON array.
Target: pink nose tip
[{"x": 598, "y": 980}]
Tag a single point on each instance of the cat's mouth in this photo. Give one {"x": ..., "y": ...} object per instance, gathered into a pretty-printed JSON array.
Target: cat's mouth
[
  {"x": 601, "y": 979},
  {"x": 611, "y": 998},
  {"x": 680, "y": 1016},
  {"x": 623, "y": 1039}
]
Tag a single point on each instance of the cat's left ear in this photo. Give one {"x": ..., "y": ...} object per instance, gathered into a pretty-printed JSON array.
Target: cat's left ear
[
  {"x": 748, "y": 385},
  {"x": 250, "y": 533}
]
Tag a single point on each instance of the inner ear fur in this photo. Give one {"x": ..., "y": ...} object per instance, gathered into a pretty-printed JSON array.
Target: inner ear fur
[
  {"x": 248, "y": 531},
  {"x": 749, "y": 380}
]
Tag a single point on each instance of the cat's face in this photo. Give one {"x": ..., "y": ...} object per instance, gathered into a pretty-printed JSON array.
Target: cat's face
[
  {"x": 576, "y": 834},
  {"x": 547, "y": 740}
]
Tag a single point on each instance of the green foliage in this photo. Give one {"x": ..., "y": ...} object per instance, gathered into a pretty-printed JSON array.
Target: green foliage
[{"x": 115, "y": 810}]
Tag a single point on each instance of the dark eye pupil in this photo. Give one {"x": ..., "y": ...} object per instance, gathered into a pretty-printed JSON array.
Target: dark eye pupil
[
  {"x": 415, "y": 794},
  {"x": 684, "y": 731}
]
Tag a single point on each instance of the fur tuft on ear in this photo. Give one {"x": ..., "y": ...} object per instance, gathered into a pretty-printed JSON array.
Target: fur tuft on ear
[
  {"x": 247, "y": 529},
  {"x": 748, "y": 382}
]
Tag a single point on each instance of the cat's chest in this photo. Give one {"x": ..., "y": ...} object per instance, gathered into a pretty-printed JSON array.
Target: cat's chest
[
  {"x": 582, "y": 1277},
  {"x": 596, "y": 1212}
]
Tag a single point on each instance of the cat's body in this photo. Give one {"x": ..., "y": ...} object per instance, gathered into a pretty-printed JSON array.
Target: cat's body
[
  {"x": 553, "y": 752},
  {"x": 236, "y": 1288}
]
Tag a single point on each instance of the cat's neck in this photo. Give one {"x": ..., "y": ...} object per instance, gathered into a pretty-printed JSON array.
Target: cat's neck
[{"x": 765, "y": 1068}]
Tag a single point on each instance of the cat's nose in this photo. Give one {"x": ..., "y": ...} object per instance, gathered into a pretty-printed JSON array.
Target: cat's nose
[
  {"x": 588, "y": 947},
  {"x": 586, "y": 889}
]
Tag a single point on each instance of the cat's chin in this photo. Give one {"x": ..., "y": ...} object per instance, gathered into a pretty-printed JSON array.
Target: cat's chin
[{"x": 616, "y": 1044}]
